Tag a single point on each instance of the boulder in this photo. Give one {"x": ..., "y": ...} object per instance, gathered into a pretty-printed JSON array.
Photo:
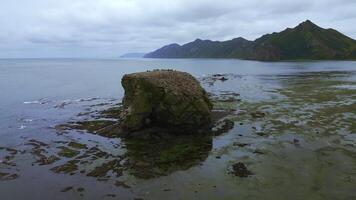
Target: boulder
[{"x": 165, "y": 98}]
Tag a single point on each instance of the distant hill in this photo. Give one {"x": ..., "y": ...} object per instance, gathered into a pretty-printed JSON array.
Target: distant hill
[
  {"x": 306, "y": 41},
  {"x": 133, "y": 55}
]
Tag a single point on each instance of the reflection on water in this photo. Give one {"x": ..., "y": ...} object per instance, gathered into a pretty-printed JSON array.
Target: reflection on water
[
  {"x": 162, "y": 154},
  {"x": 148, "y": 153},
  {"x": 294, "y": 130}
]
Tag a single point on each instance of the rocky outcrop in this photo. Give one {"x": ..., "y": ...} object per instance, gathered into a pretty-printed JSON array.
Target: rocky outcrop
[{"x": 165, "y": 98}]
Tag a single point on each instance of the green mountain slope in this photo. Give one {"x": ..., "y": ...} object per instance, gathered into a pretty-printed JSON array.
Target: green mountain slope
[{"x": 306, "y": 41}]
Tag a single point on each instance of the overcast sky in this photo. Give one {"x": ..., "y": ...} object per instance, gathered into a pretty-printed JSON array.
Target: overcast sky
[{"x": 108, "y": 28}]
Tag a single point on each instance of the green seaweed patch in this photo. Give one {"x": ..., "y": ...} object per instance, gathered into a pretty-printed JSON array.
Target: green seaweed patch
[
  {"x": 121, "y": 184},
  {"x": 113, "y": 112},
  {"x": 102, "y": 170},
  {"x": 8, "y": 176},
  {"x": 227, "y": 100},
  {"x": 67, "y": 152},
  {"x": 8, "y": 155},
  {"x": 43, "y": 160},
  {"x": 94, "y": 125},
  {"x": 66, "y": 189},
  {"x": 39, "y": 152},
  {"x": 225, "y": 105},
  {"x": 69, "y": 167},
  {"x": 106, "y": 128},
  {"x": 11, "y": 150},
  {"x": 257, "y": 114},
  {"x": 93, "y": 153},
  {"x": 223, "y": 126},
  {"x": 36, "y": 143},
  {"x": 2, "y": 174},
  {"x": 77, "y": 145}
]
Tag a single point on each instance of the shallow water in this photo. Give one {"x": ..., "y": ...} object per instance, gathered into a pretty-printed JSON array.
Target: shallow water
[{"x": 302, "y": 147}]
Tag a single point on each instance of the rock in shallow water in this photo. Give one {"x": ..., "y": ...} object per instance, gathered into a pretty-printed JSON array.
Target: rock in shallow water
[
  {"x": 165, "y": 98},
  {"x": 239, "y": 169}
]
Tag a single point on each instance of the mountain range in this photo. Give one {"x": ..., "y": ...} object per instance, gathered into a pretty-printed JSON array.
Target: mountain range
[{"x": 307, "y": 41}]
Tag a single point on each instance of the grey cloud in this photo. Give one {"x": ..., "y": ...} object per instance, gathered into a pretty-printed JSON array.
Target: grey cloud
[{"x": 108, "y": 28}]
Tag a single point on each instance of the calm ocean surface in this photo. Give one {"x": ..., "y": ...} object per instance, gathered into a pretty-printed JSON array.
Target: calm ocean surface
[{"x": 38, "y": 94}]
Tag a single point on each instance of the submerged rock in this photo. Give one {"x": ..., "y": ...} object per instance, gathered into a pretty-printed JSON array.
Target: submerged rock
[
  {"x": 239, "y": 169},
  {"x": 258, "y": 114},
  {"x": 223, "y": 126},
  {"x": 165, "y": 98}
]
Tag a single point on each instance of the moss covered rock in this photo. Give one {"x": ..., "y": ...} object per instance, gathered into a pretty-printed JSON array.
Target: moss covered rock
[{"x": 164, "y": 98}]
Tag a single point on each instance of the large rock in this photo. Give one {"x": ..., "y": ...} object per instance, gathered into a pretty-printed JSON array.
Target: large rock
[{"x": 165, "y": 98}]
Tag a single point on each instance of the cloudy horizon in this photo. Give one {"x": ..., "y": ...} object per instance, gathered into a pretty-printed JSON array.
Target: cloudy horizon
[{"x": 109, "y": 28}]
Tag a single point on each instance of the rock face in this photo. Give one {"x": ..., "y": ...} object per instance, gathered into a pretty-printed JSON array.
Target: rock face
[{"x": 164, "y": 98}]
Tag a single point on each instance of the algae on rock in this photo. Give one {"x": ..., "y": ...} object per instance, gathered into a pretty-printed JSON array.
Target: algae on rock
[{"x": 165, "y": 98}]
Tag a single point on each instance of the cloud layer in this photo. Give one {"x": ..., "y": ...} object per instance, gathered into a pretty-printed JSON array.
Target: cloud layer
[{"x": 108, "y": 28}]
